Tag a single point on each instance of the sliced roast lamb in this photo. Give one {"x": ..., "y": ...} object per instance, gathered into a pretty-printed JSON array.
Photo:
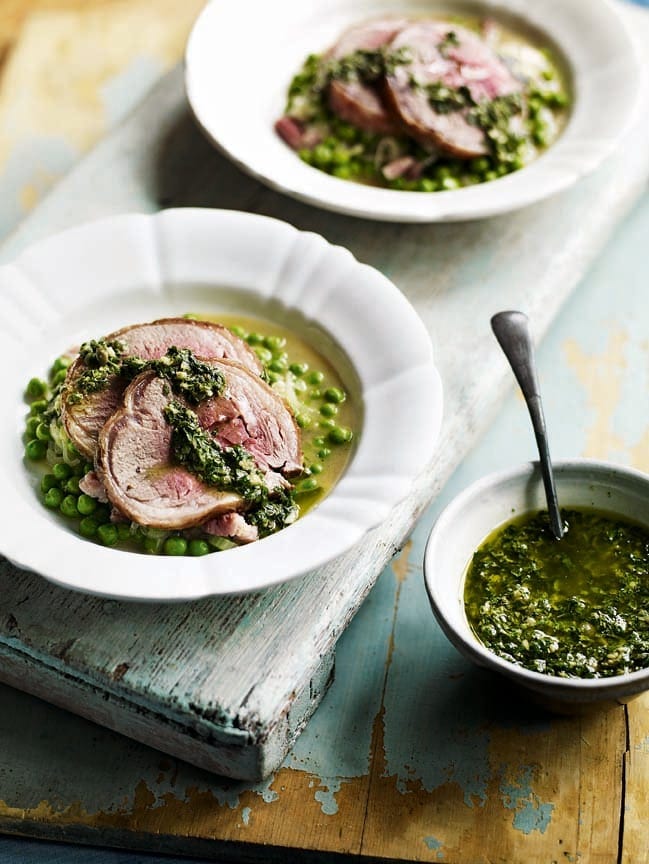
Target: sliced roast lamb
[
  {"x": 448, "y": 56},
  {"x": 354, "y": 101},
  {"x": 84, "y": 419},
  {"x": 134, "y": 456}
]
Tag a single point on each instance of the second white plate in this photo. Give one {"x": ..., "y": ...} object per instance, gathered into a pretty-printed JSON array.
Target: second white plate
[{"x": 241, "y": 57}]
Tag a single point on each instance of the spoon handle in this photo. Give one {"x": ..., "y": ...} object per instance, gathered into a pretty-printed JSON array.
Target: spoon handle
[{"x": 512, "y": 332}]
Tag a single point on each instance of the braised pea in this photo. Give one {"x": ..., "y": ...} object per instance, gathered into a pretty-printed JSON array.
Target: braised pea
[
  {"x": 59, "y": 364},
  {"x": 264, "y": 354},
  {"x": 59, "y": 378},
  {"x": 53, "y": 498},
  {"x": 36, "y": 449},
  {"x": 86, "y": 504},
  {"x": 315, "y": 377},
  {"x": 239, "y": 331},
  {"x": 72, "y": 486},
  {"x": 36, "y": 389},
  {"x": 340, "y": 435},
  {"x": 38, "y": 407},
  {"x": 43, "y": 432},
  {"x": 299, "y": 369},
  {"x": 327, "y": 423},
  {"x": 69, "y": 506},
  {"x": 278, "y": 366},
  {"x": 107, "y": 534},
  {"x": 31, "y": 426},
  {"x": 198, "y": 547},
  {"x": 324, "y": 452},
  {"x": 61, "y": 470},
  {"x": 255, "y": 339},
  {"x": 303, "y": 420},
  {"x": 310, "y": 484},
  {"x": 174, "y": 546},
  {"x": 274, "y": 343},
  {"x": 48, "y": 482},
  {"x": 328, "y": 409},
  {"x": 152, "y": 545},
  {"x": 88, "y": 527},
  {"x": 334, "y": 394},
  {"x": 123, "y": 531},
  {"x": 316, "y": 468}
]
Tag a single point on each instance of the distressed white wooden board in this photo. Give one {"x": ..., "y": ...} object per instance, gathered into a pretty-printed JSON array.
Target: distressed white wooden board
[{"x": 228, "y": 684}]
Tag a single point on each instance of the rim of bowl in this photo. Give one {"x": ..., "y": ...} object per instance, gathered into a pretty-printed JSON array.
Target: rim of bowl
[{"x": 472, "y": 647}]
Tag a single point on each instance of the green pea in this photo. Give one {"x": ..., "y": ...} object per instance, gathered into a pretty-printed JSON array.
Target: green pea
[
  {"x": 315, "y": 377},
  {"x": 343, "y": 172},
  {"x": 324, "y": 452},
  {"x": 490, "y": 175},
  {"x": 61, "y": 470},
  {"x": 299, "y": 369},
  {"x": 198, "y": 547},
  {"x": 48, "y": 482},
  {"x": 53, "y": 498},
  {"x": 306, "y": 156},
  {"x": 316, "y": 468},
  {"x": 43, "y": 432},
  {"x": 328, "y": 409},
  {"x": 88, "y": 527},
  {"x": 152, "y": 545},
  {"x": 442, "y": 172},
  {"x": 86, "y": 468},
  {"x": 303, "y": 420},
  {"x": 36, "y": 389},
  {"x": 59, "y": 364},
  {"x": 340, "y": 435},
  {"x": 275, "y": 343},
  {"x": 480, "y": 166},
  {"x": 272, "y": 377},
  {"x": 107, "y": 534},
  {"x": 310, "y": 484},
  {"x": 322, "y": 155},
  {"x": 60, "y": 377},
  {"x": 255, "y": 339},
  {"x": 278, "y": 366},
  {"x": 38, "y": 407},
  {"x": 319, "y": 442},
  {"x": 190, "y": 316},
  {"x": 86, "y": 504},
  {"x": 123, "y": 531},
  {"x": 69, "y": 506},
  {"x": 316, "y": 393},
  {"x": 175, "y": 546},
  {"x": 539, "y": 137},
  {"x": 72, "y": 486},
  {"x": 449, "y": 183},
  {"x": 335, "y": 394},
  {"x": 239, "y": 331},
  {"x": 327, "y": 423},
  {"x": 427, "y": 184},
  {"x": 264, "y": 354},
  {"x": 36, "y": 449},
  {"x": 31, "y": 426}
]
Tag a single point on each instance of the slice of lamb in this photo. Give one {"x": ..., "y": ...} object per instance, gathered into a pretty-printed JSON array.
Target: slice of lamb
[
  {"x": 134, "y": 459},
  {"x": 232, "y": 525},
  {"x": 464, "y": 60},
  {"x": 353, "y": 101},
  {"x": 83, "y": 420}
]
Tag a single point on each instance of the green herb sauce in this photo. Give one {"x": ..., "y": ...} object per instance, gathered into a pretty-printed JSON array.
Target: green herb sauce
[{"x": 578, "y": 607}]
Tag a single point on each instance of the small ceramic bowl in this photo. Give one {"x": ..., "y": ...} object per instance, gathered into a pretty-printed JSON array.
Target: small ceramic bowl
[{"x": 494, "y": 500}]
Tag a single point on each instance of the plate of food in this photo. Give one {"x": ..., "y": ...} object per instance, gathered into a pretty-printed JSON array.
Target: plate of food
[
  {"x": 204, "y": 402},
  {"x": 410, "y": 110}
]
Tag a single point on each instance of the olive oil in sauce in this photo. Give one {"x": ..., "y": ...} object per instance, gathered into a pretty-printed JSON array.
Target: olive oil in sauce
[{"x": 578, "y": 607}]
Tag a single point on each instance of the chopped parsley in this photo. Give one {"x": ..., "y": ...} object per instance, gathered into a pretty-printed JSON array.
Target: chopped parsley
[{"x": 188, "y": 376}]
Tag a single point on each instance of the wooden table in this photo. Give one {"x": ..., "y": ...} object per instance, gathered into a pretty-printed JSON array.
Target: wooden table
[{"x": 413, "y": 754}]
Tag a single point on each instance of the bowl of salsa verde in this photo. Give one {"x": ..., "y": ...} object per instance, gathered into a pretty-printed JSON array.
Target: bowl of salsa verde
[{"x": 568, "y": 619}]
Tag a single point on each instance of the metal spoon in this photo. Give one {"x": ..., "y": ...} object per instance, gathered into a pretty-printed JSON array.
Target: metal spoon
[{"x": 512, "y": 332}]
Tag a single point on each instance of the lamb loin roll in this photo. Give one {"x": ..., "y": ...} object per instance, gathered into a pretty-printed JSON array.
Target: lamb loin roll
[
  {"x": 453, "y": 57},
  {"x": 83, "y": 420},
  {"x": 135, "y": 461},
  {"x": 354, "y": 101}
]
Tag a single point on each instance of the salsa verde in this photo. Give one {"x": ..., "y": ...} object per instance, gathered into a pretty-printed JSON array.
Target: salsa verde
[{"x": 578, "y": 607}]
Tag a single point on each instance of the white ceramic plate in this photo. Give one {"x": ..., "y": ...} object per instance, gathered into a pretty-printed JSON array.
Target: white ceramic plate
[
  {"x": 241, "y": 57},
  {"x": 93, "y": 279}
]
